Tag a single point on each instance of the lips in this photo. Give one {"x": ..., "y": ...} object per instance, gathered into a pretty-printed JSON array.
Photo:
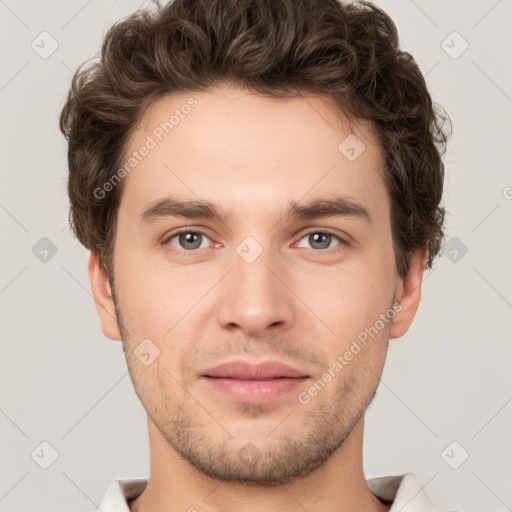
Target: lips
[
  {"x": 243, "y": 370},
  {"x": 260, "y": 383}
]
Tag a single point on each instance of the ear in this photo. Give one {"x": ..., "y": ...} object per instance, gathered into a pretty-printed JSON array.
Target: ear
[
  {"x": 102, "y": 294},
  {"x": 408, "y": 295}
]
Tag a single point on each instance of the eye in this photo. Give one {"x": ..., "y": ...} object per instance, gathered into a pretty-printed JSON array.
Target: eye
[
  {"x": 188, "y": 240},
  {"x": 321, "y": 240}
]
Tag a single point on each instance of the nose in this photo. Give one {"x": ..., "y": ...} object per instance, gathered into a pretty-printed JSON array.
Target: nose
[{"x": 254, "y": 297}]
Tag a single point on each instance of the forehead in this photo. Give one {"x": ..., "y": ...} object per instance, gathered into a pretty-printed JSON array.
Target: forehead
[{"x": 248, "y": 150}]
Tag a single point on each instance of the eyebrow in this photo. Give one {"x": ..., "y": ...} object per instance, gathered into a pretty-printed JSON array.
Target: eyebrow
[{"x": 199, "y": 209}]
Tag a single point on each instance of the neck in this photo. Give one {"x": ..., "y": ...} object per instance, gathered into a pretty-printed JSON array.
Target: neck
[{"x": 175, "y": 485}]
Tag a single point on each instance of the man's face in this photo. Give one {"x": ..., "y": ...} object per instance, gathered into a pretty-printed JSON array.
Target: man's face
[{"x": 256, "y": 284}]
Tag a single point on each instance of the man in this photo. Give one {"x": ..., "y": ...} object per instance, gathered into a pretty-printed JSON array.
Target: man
[{"x": 259, "y": 184}]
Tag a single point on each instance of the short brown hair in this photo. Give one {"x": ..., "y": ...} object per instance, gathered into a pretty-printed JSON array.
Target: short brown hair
[{"x": 279, "y": 48}]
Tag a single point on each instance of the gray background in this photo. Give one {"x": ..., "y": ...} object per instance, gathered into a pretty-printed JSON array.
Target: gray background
[{"x": 447, "y": 380}]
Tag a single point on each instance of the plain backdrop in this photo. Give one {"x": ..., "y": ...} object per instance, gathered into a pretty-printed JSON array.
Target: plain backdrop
[{"x": 443, "y": 410}]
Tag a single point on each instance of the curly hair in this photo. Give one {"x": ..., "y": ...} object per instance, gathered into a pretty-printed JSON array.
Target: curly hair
[{"x": 279, "y": 48}]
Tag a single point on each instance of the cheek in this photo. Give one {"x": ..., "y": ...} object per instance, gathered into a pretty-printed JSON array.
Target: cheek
[
  {"x": 155, "y": 298},
  {"x": 350, "y": 297},
  {"x": 154, "y": 384}
]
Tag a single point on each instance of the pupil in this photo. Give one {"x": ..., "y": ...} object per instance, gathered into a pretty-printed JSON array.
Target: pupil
[
  {"x": 190, "y": 238},
  {"x": 316, "y": 238}
]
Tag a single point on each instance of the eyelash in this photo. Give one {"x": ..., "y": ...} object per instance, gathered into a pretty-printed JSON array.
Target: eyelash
[{"x": 343, "y": 243}]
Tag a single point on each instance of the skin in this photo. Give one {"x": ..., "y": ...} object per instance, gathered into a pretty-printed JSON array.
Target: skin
[{"x": 296, "y": 303}]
